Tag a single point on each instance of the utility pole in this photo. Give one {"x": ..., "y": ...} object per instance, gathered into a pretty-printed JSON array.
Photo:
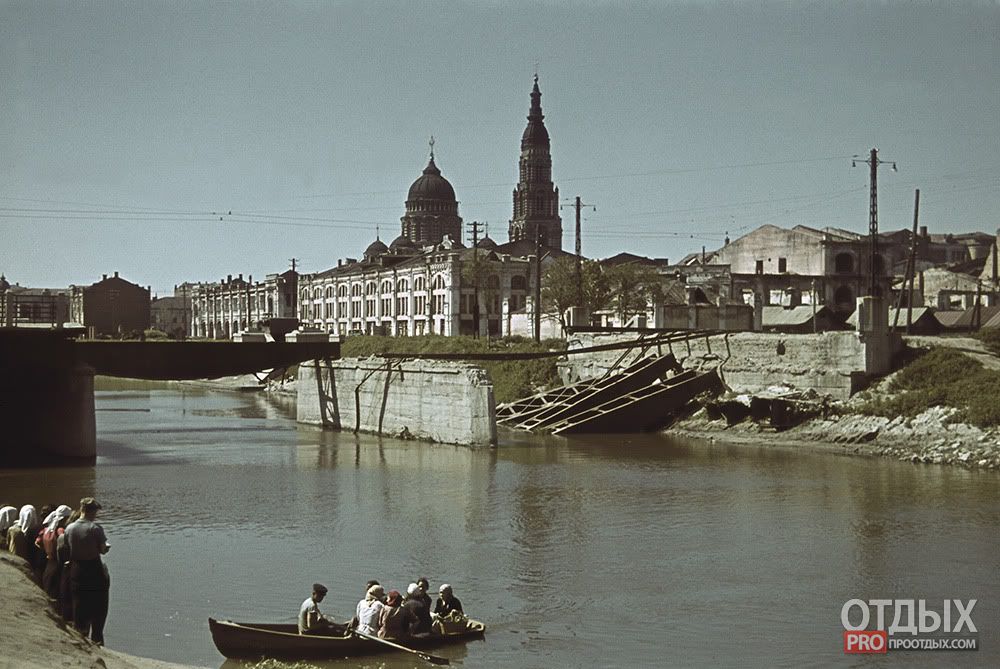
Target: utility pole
[
  {"x": 873, "y": 162},
  {"x": 538, "y": 283},
  {"x": 475, "y": 278},
  {"x": 578, "y": 205},
  {"x": 293, "y": 261}
]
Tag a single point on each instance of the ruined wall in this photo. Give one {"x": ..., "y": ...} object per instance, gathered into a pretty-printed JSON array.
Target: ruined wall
[
  {"x": 439, "y": 401},
  {"x": 831, "y": 363}
]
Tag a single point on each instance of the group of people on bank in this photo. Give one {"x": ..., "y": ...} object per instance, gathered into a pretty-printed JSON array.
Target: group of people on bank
[
  {"x": 63, "y": 546},
  {"x": 387, "y": 615}
]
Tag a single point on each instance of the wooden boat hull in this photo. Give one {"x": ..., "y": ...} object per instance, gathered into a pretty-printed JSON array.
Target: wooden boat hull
[{"x": 253, "y": 641}]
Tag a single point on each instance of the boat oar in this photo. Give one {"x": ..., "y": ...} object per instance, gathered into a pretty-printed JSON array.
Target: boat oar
[{"x": 433, "y": 659}]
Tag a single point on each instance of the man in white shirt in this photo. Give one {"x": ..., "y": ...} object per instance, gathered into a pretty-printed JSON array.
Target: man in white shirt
[{"x": 311, "y": 621}]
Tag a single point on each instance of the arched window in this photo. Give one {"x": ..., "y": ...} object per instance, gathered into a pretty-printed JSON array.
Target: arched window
[
  {"x": 402, "y": 286},
  {"x": 420, "y": 283},
  {"x": 844, "y": 263},
  {"x": 318, "y": 294},
  {"x": 356, "y": 290},
  {"x": 518, "y": 282},
  {"x": 329, "y": 291},
  {"x": 438, "y": 282},
  {"x": 305, "y": 295},
  {"x": 387, "y": 286},
  {"x": 843, "y": 298},
  {"x": 371, "y": 288},
  {"x": 342, "y": 290}
]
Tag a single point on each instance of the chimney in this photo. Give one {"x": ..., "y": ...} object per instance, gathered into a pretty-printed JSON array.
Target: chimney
[
  {"x": 116, "y": 274},
  {"x": 923, "y": 231},
  {"x": 240, "y": 277},
  {"x": 339, "y": 262},
  {"x": 104, "y": 277},
  {"x": 229, "y": 278}
]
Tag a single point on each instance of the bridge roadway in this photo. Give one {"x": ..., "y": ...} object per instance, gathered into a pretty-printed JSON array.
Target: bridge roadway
[{"x": 47, "y": 383}]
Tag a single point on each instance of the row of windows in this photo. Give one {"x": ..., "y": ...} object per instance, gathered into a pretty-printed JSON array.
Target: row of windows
[{"x": 517, "y": 282}]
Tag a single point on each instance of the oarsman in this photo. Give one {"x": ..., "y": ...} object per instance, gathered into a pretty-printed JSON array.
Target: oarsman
[
  {"x": 311, "y": 621},
  {"x": 89, "y": 580}
]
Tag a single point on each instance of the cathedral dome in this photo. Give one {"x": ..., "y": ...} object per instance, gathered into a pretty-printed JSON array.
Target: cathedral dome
[
  {"x": 486, "y": 243},
  {"x": 402, "y": 244},
  {"x": 376, "y": 248},
  {"x": 431, "y": 185}
]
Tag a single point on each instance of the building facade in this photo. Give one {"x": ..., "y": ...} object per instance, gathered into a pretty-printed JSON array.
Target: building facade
[
  {"x": 21, "y": 306},
  {"x": 172, "y": 314},
  {"x": 112, "y": 307},
  {"x": 222, "y": 308}
]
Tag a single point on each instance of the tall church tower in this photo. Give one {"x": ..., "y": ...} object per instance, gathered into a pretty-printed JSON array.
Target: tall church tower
[{"x": 536, "y": 200}]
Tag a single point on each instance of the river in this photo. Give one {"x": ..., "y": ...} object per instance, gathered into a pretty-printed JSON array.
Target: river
[{"x": 617, "y": 551}]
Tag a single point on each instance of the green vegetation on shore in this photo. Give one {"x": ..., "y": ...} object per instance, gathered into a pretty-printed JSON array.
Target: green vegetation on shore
[
  {"x": 991, "y": 339},
  {"x": 512, "y": 379},
  {"x": 941, "y": 377}
]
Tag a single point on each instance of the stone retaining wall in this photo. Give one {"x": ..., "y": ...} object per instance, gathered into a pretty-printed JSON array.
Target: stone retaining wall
[
  {"x": 447, "y": 402},
  {"x": 831, "y": 363}
]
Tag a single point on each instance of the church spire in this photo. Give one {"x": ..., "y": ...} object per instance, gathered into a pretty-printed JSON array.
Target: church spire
[{"x": 536, "y": 199}]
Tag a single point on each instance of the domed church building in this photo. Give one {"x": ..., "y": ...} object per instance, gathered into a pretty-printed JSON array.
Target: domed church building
[{"x": 423, "y": 282}]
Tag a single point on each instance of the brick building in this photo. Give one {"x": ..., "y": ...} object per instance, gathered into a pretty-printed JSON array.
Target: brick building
[{"x": 111, "y": 307}]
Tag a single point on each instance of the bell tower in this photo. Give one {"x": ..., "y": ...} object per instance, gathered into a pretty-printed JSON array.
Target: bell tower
[{"x": 536, "y": 199}]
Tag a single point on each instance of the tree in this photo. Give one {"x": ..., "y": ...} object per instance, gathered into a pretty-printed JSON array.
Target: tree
[
  {"x": 633, "y": 288},
  {"x": 560, "y": 290},
  {"x": 481, "y": 268}
]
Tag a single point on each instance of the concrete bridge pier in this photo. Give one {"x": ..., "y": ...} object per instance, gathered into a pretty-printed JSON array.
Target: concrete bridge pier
[{"x": 47, "y": 413}]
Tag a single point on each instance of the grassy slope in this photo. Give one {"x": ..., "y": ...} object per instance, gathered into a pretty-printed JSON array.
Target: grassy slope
[
  {"x": 941, "y": 377},
  {"x": 511, "y": 379}
]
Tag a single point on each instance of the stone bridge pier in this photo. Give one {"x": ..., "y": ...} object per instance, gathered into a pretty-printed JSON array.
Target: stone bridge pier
[{"x": 46, "y": 406}]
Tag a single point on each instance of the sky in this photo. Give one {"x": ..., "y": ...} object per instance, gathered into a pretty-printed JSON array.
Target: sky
[{"x": 186, "y": 141}]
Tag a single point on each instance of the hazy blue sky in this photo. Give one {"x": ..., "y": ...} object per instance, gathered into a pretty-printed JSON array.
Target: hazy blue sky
[{"x": 123, "y": 125}]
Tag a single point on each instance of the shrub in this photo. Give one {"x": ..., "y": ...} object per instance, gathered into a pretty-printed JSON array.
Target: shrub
[
  {"x": 941, "y": 377},
  {"x": 990, "y": 338}
]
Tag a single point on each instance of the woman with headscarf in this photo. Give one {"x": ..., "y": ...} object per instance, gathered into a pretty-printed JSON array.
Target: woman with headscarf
[
  {"x": 62, "y": 554},
  {"x": 446, "y": 602},
  {"x": 21, "y": 535},
  {"x": 369, "y": 610},
  {"x": 8, "y": 516},
  {"x": 395, "y": 622},
  {"x": 54, "y": 527}
]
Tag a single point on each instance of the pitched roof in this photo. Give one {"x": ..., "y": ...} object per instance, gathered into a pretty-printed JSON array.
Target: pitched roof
[{"x": 774, "y": 315}]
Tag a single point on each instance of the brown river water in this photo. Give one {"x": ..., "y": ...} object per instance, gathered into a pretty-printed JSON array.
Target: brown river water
[{"x": 611, "y": 551}]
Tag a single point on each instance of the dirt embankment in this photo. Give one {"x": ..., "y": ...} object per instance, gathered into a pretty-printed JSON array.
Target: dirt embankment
[
  {"x": 926, "y": 438},
  {"x": 931, "y": 436},
  {"x": 33, "y": 636}
]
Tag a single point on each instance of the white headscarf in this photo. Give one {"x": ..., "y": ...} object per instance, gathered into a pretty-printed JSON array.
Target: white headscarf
[
  {"x": 28, "y": 520},
  {"x": 8, "y": 516},
  {"x": 52, "y": 520}
]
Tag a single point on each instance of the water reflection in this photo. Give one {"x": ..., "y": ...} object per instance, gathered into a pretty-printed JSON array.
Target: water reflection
[{"x": 219, "y": 505}]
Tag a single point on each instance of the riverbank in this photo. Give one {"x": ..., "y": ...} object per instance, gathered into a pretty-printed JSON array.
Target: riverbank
[
  {"x": 927, "y": 438},
  {"x": 33, "y": 636}
]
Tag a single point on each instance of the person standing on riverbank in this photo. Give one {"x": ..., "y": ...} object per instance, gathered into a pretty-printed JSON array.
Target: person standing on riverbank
[{"x": 89, "y": 580}]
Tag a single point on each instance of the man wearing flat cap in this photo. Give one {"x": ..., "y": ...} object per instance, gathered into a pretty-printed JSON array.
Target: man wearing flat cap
[
  {"x": 311, "y": 621},
  {"x": 89, "y": 580}
]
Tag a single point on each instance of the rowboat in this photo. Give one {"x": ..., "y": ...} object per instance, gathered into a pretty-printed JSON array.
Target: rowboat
[{"x": 253, "y": 641}]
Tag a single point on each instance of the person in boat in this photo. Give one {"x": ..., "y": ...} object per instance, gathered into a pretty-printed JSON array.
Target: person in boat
[
  {"x": 354, "y": 621},
  {"x": 395, "y": 622},
  {"x": 311, "y": 621},
  {"x": 446, "y": 602},
  {"x": 369, "y": 609},
  {"x": 54, "y": 527},
  {"x": 89, "y": 580},
  {"x": 425, "y": 587},
  {"x": 414, "y": 601}
]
